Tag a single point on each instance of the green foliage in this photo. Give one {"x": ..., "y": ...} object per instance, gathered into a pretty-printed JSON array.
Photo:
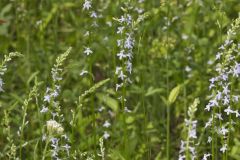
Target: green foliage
[
  {"x": 173, "y": 59},
  {"x": 174, "y": 94}
]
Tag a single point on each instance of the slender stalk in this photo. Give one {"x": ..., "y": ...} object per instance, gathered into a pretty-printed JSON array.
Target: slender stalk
[
  {"x": 213, "y": 135},
  {"x": 93, "y": 114},
  {"x": 22, "y": 129},
  {"x": 167, "y": 68},
  {"x": 45, "y": 149}
]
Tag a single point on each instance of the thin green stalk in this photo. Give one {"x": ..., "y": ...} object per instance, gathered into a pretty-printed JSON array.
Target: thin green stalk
[
  {"x": 213, "y": 135},
  {"x": 167, "y": 68},
  {"x": 22, "y": 129},
  {"x": 45, "y": 149},
  {"x": 93, "y": 112},
  {"x": 168, "y": 132}
]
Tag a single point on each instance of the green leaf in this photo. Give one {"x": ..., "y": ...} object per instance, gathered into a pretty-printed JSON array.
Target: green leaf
[
  {"x": 32, "y": 76},
  {"x": 94, "y": 88},
  {"x": 152, "y": 91},
  {"x": 173, "y": 94},
  {"x": 116, "y": 154}
]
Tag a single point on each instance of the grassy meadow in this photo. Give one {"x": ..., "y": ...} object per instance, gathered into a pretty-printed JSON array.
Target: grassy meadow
[{"x": 119, "y": 79}]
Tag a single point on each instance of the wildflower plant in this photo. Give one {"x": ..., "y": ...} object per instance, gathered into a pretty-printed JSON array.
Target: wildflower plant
[
  {"x": 224, "y": 99},
  {"x": 33, "y": 93},
  {"x": 54, "y": 132},
  {"x": 127, "y": 26},
  {"x": 10, "y": 147},
  {"x": 188, "y": 146},
  {"x": 3, "y": 66}
]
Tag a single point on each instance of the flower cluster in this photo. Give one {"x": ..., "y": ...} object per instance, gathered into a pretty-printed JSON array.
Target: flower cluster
[
  {"x": 54, "y": 127},
  {"x": 223, "y": 97},
  {"x": 55, "y": 131},
  {"x": 93, "y": 15},
  {"x": 127, "y": 25},
  {"x": 187, "y": 148},
  {"x": 3, "y": 66}
]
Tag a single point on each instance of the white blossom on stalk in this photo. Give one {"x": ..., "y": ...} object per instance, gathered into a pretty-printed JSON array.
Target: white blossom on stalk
[
  {"x": 87, "y": 4},
  {"x": 106, "y": 124},
  {"x": 3, "y": 66},
  {"x": 83, "y": 72},
  {"x": 205, "y": 156},
  {"x": 54, "y": 128},
  {"x": 87, "y": 51},
  {"x": 191, "y": 125},
  {"x": 223, "y": 98},
  {"x": 223, "y": 149},
  {"x": 106, "y": 135}
]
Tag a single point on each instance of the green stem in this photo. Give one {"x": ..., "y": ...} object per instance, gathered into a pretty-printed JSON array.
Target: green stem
[
  {"x": 213, "y": 135},
  {"x": 45, "y": 149},
  {"x": 167, "y": 67}
]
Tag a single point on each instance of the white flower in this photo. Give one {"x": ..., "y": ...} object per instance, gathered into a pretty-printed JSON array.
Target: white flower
[
  {"x": 221, "y": 47},
  {"x": 47, "y": 98},
  {"x": 83, "y": 72},
  {"x": 237, "y": 113},
  {"x": 226, "y": 90},
  {"x": 121, "y": 20},
  {"x": 188, "y": 69},
  {"x": 129, "y": 42},
  {"x": 88, "y": 51},
  {"x": 228, "y": 110},
  {"x": 181, "y": 157},
  {"x": 118, "y": 69},
  {"x": 101, "y": 109},
  {"x": 208, "y": 107},
  {"x": 86, "y": 34},
  {"x": 66, "y": 147},
  {"x": 205, "y": 156},
  {"x": 219, "y": 116},
  {"x": 120, "y": 30},
  {"x": 106, "y": 135},
  {"x": 192, "y": 134},
  {"x": 93, "y": 14},
  {"x": 118, "y": 86},
  {"x": 236, "y": 70},
  {"x": 226, "y": 100},
  {"x": 87, "y": 5},
  {"x": 218, "y": 56},
  {"x": 44, "y": 109},
  {"x": 219, "y": 95},
  {"x": 44, "y": 137},
  {"x": 121, "y": 55},
  {"x": 127, "y": 110},
  {"x": 224, "y": 148},
  {"x": 182, "y": 146},
  {"x": 121, "y": 75},
  {"x": 106, "y": 124},
  {"x": 109, "y": 23},
  {"x": 129, "y": 66},
  {"x": 223, "y": 131},
  {"x": 55, "y": 93},
  {"x": 54, "y": 127},
  {"x": 209, "y": 139},
  {"x": 235, "y": 98},
  {"x": 209, "y": 123},
  {"x": 184, "y": 36},
  {"x": 129, "y": 19},
  {"x": 119, "y": 42}
]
